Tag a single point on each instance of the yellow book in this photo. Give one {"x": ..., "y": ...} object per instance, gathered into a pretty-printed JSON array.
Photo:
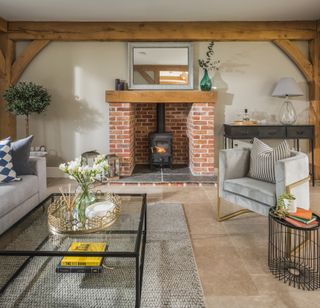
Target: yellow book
[{"x": 84, "y": 261}]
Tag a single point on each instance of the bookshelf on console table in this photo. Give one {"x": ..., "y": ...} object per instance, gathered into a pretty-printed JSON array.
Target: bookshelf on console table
[{"x": 271, "y": 131}]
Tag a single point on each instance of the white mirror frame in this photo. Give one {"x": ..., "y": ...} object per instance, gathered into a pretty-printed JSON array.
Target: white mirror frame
[{"x": 133, "y": 86}]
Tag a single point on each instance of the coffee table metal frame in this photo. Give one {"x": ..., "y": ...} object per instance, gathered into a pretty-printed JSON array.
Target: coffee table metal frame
[{"x": 138, "y": 253}]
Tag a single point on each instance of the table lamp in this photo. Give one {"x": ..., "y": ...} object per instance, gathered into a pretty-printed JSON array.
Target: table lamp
[{"x": 287, "y": 87}]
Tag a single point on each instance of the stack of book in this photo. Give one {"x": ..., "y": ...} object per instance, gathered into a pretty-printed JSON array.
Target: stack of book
[
  {"x": 82, "y": 264},
  {"x": 302, "y": 218}
]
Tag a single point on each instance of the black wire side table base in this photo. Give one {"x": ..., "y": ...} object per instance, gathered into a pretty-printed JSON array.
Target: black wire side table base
[{"x": 294, "y": 254}]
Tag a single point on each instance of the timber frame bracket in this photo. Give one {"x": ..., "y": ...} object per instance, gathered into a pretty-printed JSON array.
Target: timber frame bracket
[
  {"x": 22, "y": 62},
  {"x": 297, "y": 57}
]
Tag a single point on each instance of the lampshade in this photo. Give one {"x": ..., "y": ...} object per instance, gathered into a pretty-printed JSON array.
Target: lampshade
[{"x": 287, "y": 87}]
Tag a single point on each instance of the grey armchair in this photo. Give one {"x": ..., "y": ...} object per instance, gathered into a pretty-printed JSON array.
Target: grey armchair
[{"x": 292, "y": 175}]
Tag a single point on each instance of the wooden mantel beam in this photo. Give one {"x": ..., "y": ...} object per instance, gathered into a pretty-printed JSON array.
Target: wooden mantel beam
[
  {"x": 169, "y": 96},
  {"x": 162, "y": 31},
  {"x": 3, "y": 25}
]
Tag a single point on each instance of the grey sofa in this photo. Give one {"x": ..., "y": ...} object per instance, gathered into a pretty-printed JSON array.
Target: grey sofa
[
  {"x": 292, "y": 175},
  {"x": 18, "y": 198}
]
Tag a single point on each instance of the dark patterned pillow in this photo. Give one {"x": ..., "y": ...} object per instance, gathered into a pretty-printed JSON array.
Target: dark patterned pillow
[
  {"x": 263, "y": 159},
  {"x": 20, "y": 155},
  {"x": 7, "y": 174}
]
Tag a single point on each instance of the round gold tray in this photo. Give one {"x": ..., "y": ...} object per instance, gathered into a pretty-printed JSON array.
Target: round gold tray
[
  {"x": 61, "y": 221},
  {"x": 250, "y": 122}
]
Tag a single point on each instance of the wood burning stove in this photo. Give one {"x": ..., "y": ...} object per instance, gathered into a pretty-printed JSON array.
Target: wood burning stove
[{"x": 160, "y": 142}]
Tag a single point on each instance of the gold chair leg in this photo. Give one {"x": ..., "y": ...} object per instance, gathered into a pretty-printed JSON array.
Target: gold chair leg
[{"x": 231, "y": 215}]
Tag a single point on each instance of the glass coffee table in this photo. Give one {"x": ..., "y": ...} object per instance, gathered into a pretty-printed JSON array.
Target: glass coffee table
[{"x": 30, "y": 238}]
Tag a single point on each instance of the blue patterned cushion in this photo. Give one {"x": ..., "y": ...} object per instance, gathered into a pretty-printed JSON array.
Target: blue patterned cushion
[{"x": 7, "y": 174}]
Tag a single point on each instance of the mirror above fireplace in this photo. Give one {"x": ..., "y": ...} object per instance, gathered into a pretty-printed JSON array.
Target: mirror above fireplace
[{"x": 160, "y": 65}]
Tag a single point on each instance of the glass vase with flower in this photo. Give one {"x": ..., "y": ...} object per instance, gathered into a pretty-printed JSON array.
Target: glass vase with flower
[
  {"x": 85, "y": 176},
  {"x": 208, "y": 64}
]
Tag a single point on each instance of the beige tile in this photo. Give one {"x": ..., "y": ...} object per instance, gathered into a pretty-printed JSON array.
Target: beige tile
[
  {"x": 244, "y": 302},
  {"x": 202, "y": 220},
  {"x": 264, "y": 301},
  {"x": 220, "y": 268},
  {"x": 221, "y": 301},
  {"x": 268, "y": 284},
  {"x": 301, "y": 298}
]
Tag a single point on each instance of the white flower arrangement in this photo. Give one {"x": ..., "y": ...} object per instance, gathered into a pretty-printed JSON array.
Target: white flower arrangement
[{"x": 84, "y": 174}]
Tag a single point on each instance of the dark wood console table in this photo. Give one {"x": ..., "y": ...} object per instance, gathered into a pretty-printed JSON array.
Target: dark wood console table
[{"x": 278, "y": 131}]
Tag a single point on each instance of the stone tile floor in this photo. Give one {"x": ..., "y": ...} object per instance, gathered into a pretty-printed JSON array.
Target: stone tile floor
[
  {"x": 231, "y": 256},
  {"x": 178, "y": 174}
]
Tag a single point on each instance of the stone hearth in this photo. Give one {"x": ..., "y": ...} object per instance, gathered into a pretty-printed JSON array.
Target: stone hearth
[{"x": 191, "y": 124}]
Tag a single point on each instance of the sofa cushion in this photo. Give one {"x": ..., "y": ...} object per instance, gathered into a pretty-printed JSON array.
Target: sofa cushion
[
  {"x": 14, "y": 193},
  {"x": 7, "y": 173},
  {"x": 20, "y": 155},
  {"x": 253, "y": 189}
]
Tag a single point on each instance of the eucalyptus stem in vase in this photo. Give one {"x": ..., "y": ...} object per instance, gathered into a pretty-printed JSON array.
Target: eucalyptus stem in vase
[{"x": 208, "y": 64}]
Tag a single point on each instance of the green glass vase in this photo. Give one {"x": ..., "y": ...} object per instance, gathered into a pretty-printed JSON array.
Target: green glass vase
[{"x": 206, "y": 83}]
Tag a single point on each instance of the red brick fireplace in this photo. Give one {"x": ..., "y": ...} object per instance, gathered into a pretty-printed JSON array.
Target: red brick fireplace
[{"x": 189, "y": 116}]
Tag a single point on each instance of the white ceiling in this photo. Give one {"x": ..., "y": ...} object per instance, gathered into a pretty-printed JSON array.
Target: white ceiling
[{"x": 159, "y": 10}]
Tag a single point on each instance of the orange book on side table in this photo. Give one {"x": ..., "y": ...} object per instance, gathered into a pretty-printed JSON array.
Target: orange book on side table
[{"x": 302, "y": 213}]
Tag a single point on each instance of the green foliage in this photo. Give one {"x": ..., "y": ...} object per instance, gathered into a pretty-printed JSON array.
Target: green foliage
[
  {"x": 208, "y": 63},
  {"x": 282, "y": 206},
  {"x": 26, "y": 97}
]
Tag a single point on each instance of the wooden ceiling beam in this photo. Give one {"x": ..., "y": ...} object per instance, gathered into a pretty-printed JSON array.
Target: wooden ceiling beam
[
  {"x": 3, "y": 25},
  {"x": 162, "y": 31},
  {"x": 7, "y": 120},
  {"x": 314, "y": 93},
  {"x": 294, "y": 53},
  {"x": 25, "y": 58},
  {"x": 2, "y": 64}
]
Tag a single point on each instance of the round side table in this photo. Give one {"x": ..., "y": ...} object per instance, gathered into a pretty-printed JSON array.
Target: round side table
[{"x": 293, "y": 253}]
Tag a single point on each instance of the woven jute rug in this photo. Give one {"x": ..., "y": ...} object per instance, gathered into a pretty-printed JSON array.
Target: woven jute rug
[{"x": 170, "y": 274}]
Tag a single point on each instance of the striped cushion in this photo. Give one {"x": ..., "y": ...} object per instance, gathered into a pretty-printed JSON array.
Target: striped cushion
[
  {"x": 7, "y": 174},
  {"x": 263, "y": 159}
]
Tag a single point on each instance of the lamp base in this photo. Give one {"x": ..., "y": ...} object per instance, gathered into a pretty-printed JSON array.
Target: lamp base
[{"x": 288, "y": 114}]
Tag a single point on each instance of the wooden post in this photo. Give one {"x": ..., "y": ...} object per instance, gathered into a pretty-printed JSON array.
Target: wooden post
[
  {"x": 314, "y": 92},
  {"x": 7, "y": 120}
]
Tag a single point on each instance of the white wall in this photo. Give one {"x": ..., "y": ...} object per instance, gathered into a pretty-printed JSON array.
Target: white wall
[
  {"x": 246, "y": 78},
  {"x": 78, "y": 73}
]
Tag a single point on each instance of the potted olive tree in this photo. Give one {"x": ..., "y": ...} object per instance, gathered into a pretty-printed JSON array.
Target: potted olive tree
[{"x": 25, "y": 98}]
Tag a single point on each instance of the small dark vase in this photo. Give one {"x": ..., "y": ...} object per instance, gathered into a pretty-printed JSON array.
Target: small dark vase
[{"x": 205, "y": 83}]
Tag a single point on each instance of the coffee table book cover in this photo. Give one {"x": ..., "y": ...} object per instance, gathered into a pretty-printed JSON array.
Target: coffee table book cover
[{"x": 82, "y": 264}]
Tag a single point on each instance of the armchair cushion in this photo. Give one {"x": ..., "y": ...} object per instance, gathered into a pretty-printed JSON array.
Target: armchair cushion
[
  {"x": 253, "y": 189},
  {"x": 263, "y": 159}
]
